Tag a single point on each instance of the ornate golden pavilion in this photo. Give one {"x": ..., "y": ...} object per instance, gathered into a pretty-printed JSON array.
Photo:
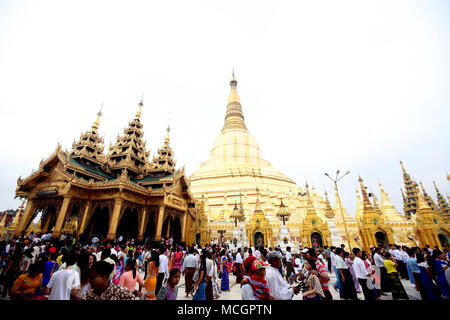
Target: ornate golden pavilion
[
  {"x": 236, "y": 168},
  {"x": 87, "y": 192}
]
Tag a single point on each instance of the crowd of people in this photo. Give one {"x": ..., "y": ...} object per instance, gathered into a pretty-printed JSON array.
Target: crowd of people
[{"x": 70, "y": 268}]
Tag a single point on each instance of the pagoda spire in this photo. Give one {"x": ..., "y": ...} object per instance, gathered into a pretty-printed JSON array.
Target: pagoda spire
[
  {"x": 388, "y": 210},
  {"x": 376, "y": 205},
  {"x": 410, "y": 205},
  {"x": 129, "y": 151},
  {"x": 428, "y": 199},
  {"x": 359, "y": 206},
  {"x": 258, "y": 207},
  {"x": 234, "y": 117},
  {"x": 367, "y": 205},
  {"x": 164, "y": 162},
  {"x": 329, "y": 214},
  {"x": 443, "y": 205},
  {"x": 89, "y": 149}
]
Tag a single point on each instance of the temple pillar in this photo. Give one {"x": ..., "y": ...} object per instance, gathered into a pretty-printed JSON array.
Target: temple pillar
[
  {"x": 114, "y": 222},
  {"x": 61, "y": 218},
  {"x": 84, "y": 218},
  {"x": 436, "y": 238},
  {"x": 183, "y": 227},
  {"x": 141, "y": 228},
  {"x": 26, "y": 216},
  {"x": 160, "y": 223},
  {"x": 46, "y": 221}
]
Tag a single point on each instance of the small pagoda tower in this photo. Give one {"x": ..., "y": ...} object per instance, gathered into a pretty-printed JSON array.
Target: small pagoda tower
[
  {"x": 443, "y": 205},
  {"x": 410, "y": 200},
  {"x": 313, "y": 229},
  {"x": 427, "y": 228},
  {"x": 374, "y": 232},
  {"x": 429, "y": 200},
  {"x": 88, "y": 151},
  {"x": 336, "y": 238},
  {"x": 163, "y": 162},
  {"x": 129, "y": 154},
  {"x": 201, "y": 233},
  {"x": 258, "y": 229}
]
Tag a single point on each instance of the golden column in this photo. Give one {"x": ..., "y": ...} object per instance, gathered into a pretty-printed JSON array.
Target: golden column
[
  {"x": 183, "y": 228},
  {"x": 340, "y": 204},
  {"x": 115, "y": 218},
  {"x": 61, "y": 218},
  {"x": 160, "y": 223},
  {"x": 87, "y": 207},
  {"x": 27, "y": 215},
  {"x": 141, "y": 228}
]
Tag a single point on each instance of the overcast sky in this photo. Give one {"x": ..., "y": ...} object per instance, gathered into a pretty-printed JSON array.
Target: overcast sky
[{"x": 349, "y": 85}]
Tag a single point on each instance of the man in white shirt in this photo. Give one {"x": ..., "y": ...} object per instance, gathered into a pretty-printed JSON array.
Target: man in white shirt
[
  {"x": 238, "y": 264},
  {"x": 337, "y": 283},
  {"x": 379, "y": 263},
  {"x": 257, "y": 253},
  {"x": 362, "y": 274},
  {"x": 64, "y": 282},
  {"x": 163, "y": 272},
  {"x": 279, "y": 288},
  {"x": 289, "y": 265},
  {"x": 190, "y": 263}
]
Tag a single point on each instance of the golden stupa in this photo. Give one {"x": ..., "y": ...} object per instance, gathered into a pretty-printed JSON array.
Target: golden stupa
[{"x": 236, "y": 169}]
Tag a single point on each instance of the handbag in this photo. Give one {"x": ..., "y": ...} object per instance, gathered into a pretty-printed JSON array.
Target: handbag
[
  {"x": 195, "y": 276},
  {"x": 162, "y": 293}
]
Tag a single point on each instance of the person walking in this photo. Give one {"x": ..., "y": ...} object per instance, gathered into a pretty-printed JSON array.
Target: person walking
[
  {"x": 348, "y": 287},
  {"x": 238, "y": 265},
  {"x": 415, "y": 271},
  {"x": 314, "y": 289},
  {"x": 441, "y": 266},
  {"x": 190, "y": 264},
  {"x": 163, "y": 271},
  {"x": 170, "y": 291},
  {"x": 225, "y": 283},
  {"x": 130, "y": 277},
  {"x": 200, "y": 285},
  {"x": 152, "y": 273},
  {"x": 64, "y": 283},
  {"x": 362, "y": 275},
  {"x": 398, "y": 292},
  {"x": 349, "y": 262},
  {"x": 379, "y": 262}
]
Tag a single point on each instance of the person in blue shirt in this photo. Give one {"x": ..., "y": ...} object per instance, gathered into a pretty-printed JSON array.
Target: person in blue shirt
[{"x": 412, "y": 265}]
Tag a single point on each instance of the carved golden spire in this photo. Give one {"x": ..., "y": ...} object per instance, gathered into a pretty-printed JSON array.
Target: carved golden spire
[
  {"x": 234, "y": 117},
  {"x": 3, "y": 222},
  {"x": 141, "y": 104},
  {"x": 366, "y": 202},
  {"x": 329, "y": 213},
  {"x": 96, "y": 124},
  {"x": 443, "y": 205},
  {"x": 359, "y": 206},
  {"x": 164, "y": 160}
]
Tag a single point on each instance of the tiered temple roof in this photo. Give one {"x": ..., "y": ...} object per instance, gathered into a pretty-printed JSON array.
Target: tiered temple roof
[{"x": 411, "y": 197}]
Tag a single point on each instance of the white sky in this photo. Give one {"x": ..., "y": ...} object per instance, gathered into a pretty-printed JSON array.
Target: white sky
[{"x": 349, "y": 85}]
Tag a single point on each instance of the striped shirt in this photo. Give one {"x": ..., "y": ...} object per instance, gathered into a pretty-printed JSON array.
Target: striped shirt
[
  {"x": 259, "y": 286},
  {"x": 322, "y": 270}
]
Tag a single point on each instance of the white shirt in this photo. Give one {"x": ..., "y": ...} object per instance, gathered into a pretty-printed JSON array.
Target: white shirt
[
  {"x": 121, "y": 255},
  {"x": 257, "y": 254},
  {"x": 279, "y": 288},
  {"x": 247, "y": 292},
  {"x": 189, "y": 262},
  {"x": 62, "y": 282},
  {"x": 288, "y": 256},
  {"x": 298, "y": 262},
  {"x": 379, "y": 261},
  {"x": 239, "y": 258},
  {"x": 164, "y": 265},
  {"x": 113, "y": 251},
  {"x": 397, "y": 254},
  {"x": 360, "y": 268},
  {"x": 246, "y": 255},
  {"x": 333, "y": 259},
  {"x": 340, "y": 263}
]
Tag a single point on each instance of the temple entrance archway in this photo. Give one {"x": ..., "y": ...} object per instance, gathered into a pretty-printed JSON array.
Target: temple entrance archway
[
  {"x": 197, "y": 238},
  {"x": 128, "y": 224},
  {"x": 99, "y": 223},
  {"x": 381, "y": 239},
  {"x": 316, "y": 240},
  {"x": 172, "y": 228},
  {"x": 258, "y": 239},
  {"x": 176, "y": 231}
]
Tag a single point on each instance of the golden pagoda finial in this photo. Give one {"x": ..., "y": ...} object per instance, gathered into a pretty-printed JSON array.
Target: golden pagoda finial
[
  {"x": 96, "y": 124},
  {"x": 141, "y": 104},
  {"x": 167, "y": 139},
  {"x": 234, "y": 117},
  {"x": 403, "y": 168}
]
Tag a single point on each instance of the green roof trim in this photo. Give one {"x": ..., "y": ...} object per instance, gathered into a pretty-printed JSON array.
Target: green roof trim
[{"x": 96, "y": 170}]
